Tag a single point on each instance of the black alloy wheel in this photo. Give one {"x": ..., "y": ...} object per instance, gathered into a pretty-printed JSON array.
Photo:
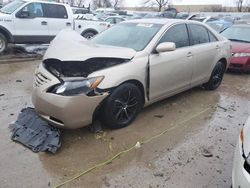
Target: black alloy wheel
[{"x": 122, "y": 106}]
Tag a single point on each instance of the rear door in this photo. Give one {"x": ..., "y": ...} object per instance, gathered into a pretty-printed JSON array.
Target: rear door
[
  {"x": 58, "y": 18},
  {"x": 171, "y": 72},
  {"x": 33, "y": 26},
  {"x": 205, "y": 48}
]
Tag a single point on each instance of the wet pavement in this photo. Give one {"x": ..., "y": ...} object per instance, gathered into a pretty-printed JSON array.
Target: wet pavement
[{"x": 201, "y": 129}]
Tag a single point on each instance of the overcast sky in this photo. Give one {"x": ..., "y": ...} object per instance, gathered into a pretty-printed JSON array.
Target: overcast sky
[{"x": 186, "y": 2}]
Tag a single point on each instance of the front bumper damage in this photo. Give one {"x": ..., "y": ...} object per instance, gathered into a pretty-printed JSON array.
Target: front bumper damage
[{"x": 33, "y": 132}]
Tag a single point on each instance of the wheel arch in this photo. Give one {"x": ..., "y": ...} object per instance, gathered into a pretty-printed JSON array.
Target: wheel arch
[
  {"x": 97, "y": 113},
  {"x": 7, "y": 34},
  {"x": 89, "y": 30},
  {"x": 224, "y": 62},
  {"x": 139, "y": 85}
]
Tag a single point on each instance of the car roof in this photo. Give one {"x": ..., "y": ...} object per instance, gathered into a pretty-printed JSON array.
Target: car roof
[
  {"x": 49, "y": 2},
  {"x": 162, "y": 21}
]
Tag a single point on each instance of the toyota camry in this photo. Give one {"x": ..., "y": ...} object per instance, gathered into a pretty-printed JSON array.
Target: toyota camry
[{"x": 127, "y": 67}]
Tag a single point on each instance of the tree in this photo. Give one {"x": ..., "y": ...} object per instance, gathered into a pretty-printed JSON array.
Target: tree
[
  {"x": 159, "y": 3},
  {"x": 117, "y": 3},
  {"x": 107, "y": 3},
  {"x": 239, "y": 4}
]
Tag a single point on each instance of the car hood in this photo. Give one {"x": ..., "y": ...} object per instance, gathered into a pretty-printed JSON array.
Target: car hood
[
  {"x": 5, "y": 16},
  {"x": 68, "y": 45},
  {"x": 246, "y": 142},
  {"x": 239, "y": 47}
]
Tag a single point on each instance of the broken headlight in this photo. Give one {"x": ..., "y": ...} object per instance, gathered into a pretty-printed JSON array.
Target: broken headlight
[{"x": 77, "y": 86}]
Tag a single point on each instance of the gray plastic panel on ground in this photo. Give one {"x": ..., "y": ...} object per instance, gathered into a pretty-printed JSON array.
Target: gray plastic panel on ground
[{"x": 35, "y": 133}]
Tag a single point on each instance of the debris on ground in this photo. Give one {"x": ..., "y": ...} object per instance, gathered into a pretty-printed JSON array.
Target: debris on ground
[
  {"x": 96, "y": 127},
  {"x": 158, "y": 174},
  {"x": 33, "y": 132},
  {"x": 159, "y": 116},
  {"x": 206, "y": 152}
]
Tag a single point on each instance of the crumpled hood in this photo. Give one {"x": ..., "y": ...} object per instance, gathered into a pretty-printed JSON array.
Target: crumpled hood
[
  {"x": 68, "y": 45},
  {"x": 240, "y": 47}
]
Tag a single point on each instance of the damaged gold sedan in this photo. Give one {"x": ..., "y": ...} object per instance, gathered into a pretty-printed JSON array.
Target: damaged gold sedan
[{"x": 129, "y": 66}]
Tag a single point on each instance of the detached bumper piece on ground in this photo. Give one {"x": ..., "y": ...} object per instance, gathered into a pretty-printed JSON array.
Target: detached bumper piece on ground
[{"x": 33, "y": 132}]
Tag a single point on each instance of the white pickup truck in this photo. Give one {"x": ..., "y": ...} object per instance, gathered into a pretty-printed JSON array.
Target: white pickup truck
[{"x": 26, "y": 22}]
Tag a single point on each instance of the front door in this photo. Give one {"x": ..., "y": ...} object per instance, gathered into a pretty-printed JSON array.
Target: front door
[
  {"x": 171, "y": 71},
  {"x": 30, "y": 25}
]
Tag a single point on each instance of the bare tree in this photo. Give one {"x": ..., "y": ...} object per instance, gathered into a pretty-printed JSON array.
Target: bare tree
[
  {"x": 107, "y": 3},
  {"x": 239, "y": 4},
  {"x": 117, "y": 3},
  {"x": 102, "y": 3},
  {"x": 159, "y": 3}
]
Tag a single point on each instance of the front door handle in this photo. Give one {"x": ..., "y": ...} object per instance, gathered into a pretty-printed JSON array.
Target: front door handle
[
  {"x": 217, "y": 47},
  {"x": 44, "y": 23},
  {"x": 189, "y": 54},
  {"x": 68, "y": 24}
]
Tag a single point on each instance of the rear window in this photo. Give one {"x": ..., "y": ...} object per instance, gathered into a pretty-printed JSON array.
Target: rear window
[
  {"x": 177, "y": 34},
  {"x": 55, "y": 11},
  {"x": 199, "y": 34}
]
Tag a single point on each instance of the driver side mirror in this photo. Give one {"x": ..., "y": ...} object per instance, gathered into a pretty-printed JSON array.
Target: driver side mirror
[
  {"x": 165, "y": 47},
  {"x": 23, "y": 14}
]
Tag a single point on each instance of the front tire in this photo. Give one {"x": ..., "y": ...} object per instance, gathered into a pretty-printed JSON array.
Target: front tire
[
  {"x": 122, "y": 106},
  {"x": 3, "y": 43},
  {"x": 216, "y": 77}
]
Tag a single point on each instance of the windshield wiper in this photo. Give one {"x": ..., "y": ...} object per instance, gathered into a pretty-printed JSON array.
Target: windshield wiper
[{"x": 238, "y": 40}]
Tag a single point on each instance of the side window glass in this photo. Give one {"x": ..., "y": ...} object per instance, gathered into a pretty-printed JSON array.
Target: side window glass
[
  {"x": 177, "y": 34},
  {"x": 199, "y": 34},
  {"x": 56, "y": 11},
  {"x": 212, "y": 37},
  {"x": 118, "y": 20},
  {"x": 34, "y": 10}
]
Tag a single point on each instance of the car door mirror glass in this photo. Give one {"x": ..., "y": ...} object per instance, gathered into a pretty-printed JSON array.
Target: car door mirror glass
[{"x": 165, "y": 47}]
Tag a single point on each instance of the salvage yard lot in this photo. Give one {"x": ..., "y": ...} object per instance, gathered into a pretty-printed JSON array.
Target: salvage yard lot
[{"x": 196, "y": 152}]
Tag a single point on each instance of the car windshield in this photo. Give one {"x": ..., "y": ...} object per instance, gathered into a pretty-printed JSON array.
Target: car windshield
[
  {"x": 129, "y": 35},
  {"x": 241, "y": 34},
  {"x": 11, "y": 7}
]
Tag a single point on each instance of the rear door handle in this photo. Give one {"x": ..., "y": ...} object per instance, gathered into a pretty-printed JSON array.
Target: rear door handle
[
  {"x": 68, "y": 24},
  {"x": 217, "y": 47},
  {"x": 189, "y": 54},
  {"x": 44, "y": 23}
]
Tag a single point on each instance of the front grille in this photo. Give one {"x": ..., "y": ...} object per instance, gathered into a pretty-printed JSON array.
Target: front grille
[{"x": 41, "y": 79}]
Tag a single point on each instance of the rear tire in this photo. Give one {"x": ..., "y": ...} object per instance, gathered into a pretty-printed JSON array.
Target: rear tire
[
  {"x": 3, "y": 43},
  {"x": 122, "y": 106},
  {"x": 216, "y": 77}
]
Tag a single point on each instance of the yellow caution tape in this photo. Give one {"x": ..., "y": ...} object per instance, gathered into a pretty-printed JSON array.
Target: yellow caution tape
[{"x": 129, "y": 149}]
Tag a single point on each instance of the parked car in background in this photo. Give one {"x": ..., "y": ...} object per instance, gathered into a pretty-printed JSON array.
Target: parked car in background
[
  {"x": 245, "y": 19},
  {"x": 121, "y": 70},
  {"x": 80, "y": 12},
  {"x": 241, "y": 164},
  {"x": 114, "y": 19},
  {"x": 219, "y": 25},
  {"x": 182, "y": 15},
  {"x": 239, "y": 35},
  {"x": 201, "y": 18},
  {"x": 24, "y": 21}
]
